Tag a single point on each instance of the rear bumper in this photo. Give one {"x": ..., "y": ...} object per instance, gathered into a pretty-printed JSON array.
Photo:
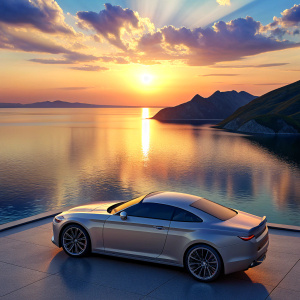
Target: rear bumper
[
  {"x": 258, "y": 261},
  {"x": 245, "y": 255}
]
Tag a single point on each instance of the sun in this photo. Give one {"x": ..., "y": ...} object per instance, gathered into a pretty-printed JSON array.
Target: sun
[{"x": 146, "y": 78}]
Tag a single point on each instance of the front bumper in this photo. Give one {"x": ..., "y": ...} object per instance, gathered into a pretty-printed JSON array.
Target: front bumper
[
  {"x": 56, "y": 230},
  {"x": 53, "y": 241}
]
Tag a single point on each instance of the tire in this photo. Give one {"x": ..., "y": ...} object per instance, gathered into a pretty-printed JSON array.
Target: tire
[
  {"x": 203, "y": 263},
  {"x": 75, "y": 241}
]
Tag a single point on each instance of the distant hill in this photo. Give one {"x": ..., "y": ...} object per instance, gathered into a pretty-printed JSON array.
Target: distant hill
[
  {"x": 275, "y": 112},
  {"x": 218, "y": 106},
  {"x": 60, "y": 104}
]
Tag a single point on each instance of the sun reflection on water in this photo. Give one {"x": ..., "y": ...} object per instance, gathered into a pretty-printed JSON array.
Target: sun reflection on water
[
  {"x": 145, "y": 133},
  {"x": 54, "y": 159}
]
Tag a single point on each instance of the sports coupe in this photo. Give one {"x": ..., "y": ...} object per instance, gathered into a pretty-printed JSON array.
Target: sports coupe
[{"x": 165, "y": 227}]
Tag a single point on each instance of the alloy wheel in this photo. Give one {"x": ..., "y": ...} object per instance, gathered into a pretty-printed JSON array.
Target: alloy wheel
[
  {"x": 203, "y": 263},
  {"x": 74, "y": 241}
]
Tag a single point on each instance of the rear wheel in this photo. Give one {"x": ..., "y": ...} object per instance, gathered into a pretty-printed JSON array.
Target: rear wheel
[
  {"x": 75, "y": 241},
  {"x": 203, "y": 263}
]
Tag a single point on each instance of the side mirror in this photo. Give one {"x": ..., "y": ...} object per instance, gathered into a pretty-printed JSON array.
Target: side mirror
[{"x": 123, "y": 215}]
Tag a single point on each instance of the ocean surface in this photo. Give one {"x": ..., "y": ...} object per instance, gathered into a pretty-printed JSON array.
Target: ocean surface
[{"x": 53, "y": 158}]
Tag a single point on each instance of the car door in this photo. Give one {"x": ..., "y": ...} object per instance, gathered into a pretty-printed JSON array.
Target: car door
[
  {"x": 143, "y": 233},
  {"x": 181, "y": 233}
]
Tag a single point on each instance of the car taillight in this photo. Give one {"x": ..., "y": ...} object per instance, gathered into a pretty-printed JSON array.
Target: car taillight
[
  {"x": 58, "y": 219},
  {"x": 247, "y": 238}
]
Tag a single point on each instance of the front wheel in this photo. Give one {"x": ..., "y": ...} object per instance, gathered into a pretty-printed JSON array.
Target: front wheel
[
  {"x": 203, "y": 263},
  {"x": 75, "y": 241}
]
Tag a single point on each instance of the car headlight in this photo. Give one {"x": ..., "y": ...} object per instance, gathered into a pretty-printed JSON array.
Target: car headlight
[{"x": 58, "y": 219}]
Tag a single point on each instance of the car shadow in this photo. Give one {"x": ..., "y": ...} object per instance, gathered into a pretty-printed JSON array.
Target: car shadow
[{"x": 127, "y": 274}]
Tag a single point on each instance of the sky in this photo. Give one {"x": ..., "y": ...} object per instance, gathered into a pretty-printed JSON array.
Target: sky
[{"x": 145, "y": 52}]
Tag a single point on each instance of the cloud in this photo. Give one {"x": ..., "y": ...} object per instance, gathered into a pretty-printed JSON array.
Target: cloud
[
  {"x": 68, "y": 58},
  {"x": 115, "y": 59},
  {"x": 224, "y": 2},
  {"x": 278, "y": 83},
  {"x": 296, "y": 31},
  {"x": 270, "y": 65},
  {"x": 278, "y": 32},
  {"x": 250, "y": 66},
  {"x": 79, "y": 57},
  {"x": 151, "y": 41},
  {"x": 121, "y": 60},
  {"x": 290, "y": 17},
  {"x": 110, "y": 22},
  {"x": 137, "y": 38},
  {"x": 73, "y": 88},
  {"x": 44, "y": 15},
  {"x": 90, "y": 68},
  {"x": 229, "y": 41},
  {"x": 219, "y": 75},
  {"x": 49, "y": 61},
  {"x": 287, "y": 24},
  {"x": 19, "y": 40}
]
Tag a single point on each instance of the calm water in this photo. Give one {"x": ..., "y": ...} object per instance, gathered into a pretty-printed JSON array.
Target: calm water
[{"x": 52, "y": 158}]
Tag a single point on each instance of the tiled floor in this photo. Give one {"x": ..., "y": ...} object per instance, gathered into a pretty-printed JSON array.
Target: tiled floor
[{"x": 31, "y": 267}]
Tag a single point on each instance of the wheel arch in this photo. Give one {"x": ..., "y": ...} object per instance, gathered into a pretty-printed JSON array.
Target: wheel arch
[
  {"x": 199, "y": 244},
  {"x": 73, "y": 223}
]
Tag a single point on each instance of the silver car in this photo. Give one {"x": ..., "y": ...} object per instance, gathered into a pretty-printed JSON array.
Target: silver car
[{"x": 165, "y": 227}]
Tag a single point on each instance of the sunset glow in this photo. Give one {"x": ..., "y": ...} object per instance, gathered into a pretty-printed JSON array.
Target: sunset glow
[
  {"x": 158, "y": 131},
  {"x": 145, "y": 133},
  {"x": 146, "y": 78},
  {"x": 151, "y": 53}
]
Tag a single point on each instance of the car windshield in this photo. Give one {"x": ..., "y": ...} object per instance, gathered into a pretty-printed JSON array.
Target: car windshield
[
  {"x": 217, "y": 210},
  {"x": 122, "y": 205}
]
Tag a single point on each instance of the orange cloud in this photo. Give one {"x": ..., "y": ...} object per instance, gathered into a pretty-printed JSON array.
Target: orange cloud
[{"x": 224, "y": 2}]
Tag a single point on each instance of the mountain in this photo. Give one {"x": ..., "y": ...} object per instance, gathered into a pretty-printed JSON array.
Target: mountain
[
  {"x": 217, "y": 106},
  {"x": 275, "y": 112},
  {"x": 59, "y": 104}
]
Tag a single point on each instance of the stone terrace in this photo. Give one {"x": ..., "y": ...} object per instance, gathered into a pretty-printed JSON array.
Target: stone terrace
[{"x": 33, "y": 268}]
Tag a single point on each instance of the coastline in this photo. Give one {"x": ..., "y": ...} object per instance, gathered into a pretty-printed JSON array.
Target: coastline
[{"x": 205, "y": 121}]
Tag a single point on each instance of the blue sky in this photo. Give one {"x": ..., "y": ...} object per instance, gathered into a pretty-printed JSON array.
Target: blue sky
[{"x": 262, "y": 10}]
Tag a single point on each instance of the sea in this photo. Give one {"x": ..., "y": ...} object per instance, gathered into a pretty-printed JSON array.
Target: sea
[{"x": 54, "y": 158}]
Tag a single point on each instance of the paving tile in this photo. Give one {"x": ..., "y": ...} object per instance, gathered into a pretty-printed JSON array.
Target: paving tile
[
  {"x": 186, "y": 287},
  {"x": 292, "y": 279},
  {"x": 104, "y": 277},
  {"x": 47, "y": 226},
  {"x": 31, "y": 256},
  {"x": 56, "y": 287},
  {"x": 36, "y": 236},
  {"x": 5, "y": 242},
  {"x": 284, "y": 241},
  {"x": 128, "y": 275},
  {"x": 13, "y": 277},
  {"x": 282, "y": 294},
  {"x": 26, "y": 227},
  {"x": 271, "y": 271}
]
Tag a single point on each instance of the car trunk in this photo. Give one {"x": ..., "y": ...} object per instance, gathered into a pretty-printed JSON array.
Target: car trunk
[{"x": 247, "y": 224}]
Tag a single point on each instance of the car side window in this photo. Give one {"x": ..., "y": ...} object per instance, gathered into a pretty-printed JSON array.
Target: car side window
[
  {"x": 182, "y": 215},
  {"x": 151, "y": 210}
]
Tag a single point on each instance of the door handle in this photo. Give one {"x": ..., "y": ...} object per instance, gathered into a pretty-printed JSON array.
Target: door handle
[{"x": 159, "y": 227}]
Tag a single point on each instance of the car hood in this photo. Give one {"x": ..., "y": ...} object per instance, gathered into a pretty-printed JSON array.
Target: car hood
[{"x": 98, "y": 207}]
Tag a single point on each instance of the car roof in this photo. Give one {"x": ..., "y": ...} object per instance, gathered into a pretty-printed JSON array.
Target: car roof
[{"x": 171, "y": 198}]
